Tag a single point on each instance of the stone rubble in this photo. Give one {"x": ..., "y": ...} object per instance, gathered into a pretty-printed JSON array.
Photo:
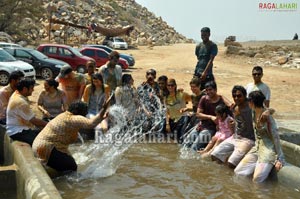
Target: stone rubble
[
  {"x": 285, "y": 56},
  {"x": 109, "y": 13}
]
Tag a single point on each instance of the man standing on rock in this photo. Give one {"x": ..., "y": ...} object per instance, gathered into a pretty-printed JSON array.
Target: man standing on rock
[
  {"x": 257, "y": 74},
  {"x": 205, "y": 52}
]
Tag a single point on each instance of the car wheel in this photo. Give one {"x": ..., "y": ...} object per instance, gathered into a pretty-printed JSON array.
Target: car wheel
[
  {"x": 46, "y": 73},
  {"x": 4, "y": 76},
  {"x": 81, "y": 69}
]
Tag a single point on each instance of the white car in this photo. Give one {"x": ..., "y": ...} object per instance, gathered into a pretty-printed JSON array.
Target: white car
[
  {"x": 117, "y": 43},
  {"x": 4, "y": 44},
  {"x": 8, "y": 64}
]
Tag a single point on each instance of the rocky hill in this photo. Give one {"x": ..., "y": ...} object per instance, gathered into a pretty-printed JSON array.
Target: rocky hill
[{"x": 108, "y": 13}]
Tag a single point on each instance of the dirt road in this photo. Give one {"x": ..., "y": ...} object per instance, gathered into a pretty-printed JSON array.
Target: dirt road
[{"x": 178, "y": 61}]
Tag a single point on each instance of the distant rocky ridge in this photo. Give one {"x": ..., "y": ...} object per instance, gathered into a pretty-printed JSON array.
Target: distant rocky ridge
[
  {"x": 285, "y": 54},
  {"x": 109, "y": 13}
]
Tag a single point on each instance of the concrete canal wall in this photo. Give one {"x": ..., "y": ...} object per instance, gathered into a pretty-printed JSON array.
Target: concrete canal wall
[{"x": 22, "y": 175}]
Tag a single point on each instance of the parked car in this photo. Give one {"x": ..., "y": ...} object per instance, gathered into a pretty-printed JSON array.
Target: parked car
[
  {"x": 116, "y": 43},
  {"x": 67, "y": 54},
  {"x": 105, "y": 41},
  {"x": 101, "y": 56},
  {"x": 128, "y": 58},
  {"x": 5, "y": 44},
  {"x": 8, "y": 64},
  {"x": 44, "y": 66}
]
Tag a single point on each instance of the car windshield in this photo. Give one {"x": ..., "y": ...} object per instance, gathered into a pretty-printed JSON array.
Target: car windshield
[
  {"x": 38, "y": 54},
  {"x": 6, "y": 57},
  {"x": 119, "y": 40},
  {"x": 75, "y": 51}
]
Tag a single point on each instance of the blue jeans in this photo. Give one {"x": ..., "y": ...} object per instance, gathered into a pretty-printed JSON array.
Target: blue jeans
[{"x": 197, "y": 140}]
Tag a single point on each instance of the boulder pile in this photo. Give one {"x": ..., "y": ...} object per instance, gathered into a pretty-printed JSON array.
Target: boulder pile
[
  {"x": 286, "y": 55},
  {"x": 110, "y": 14}
]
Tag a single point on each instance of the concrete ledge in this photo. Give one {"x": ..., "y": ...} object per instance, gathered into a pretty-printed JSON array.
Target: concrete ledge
[
  {"x": 290, "y": 175},
  {"x": 291, "y": 152},
  {"x": 32, "y": 180},
  {"x": 289, "y": 136},
  {"x": 21, "y": 174}
]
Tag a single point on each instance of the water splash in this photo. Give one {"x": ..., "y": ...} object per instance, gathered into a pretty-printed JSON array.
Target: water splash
[
  {"x": 186, "y": 152},
  {"x": 102, "y": 158}
]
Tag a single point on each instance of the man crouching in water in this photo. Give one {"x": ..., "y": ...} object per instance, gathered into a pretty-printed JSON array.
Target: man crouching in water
[{"x": 51, "y": 145}]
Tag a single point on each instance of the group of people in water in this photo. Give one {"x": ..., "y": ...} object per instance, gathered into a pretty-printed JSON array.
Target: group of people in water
[{"x": 242, "y": 133}]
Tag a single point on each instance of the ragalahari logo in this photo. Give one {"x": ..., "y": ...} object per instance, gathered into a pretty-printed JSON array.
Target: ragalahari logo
[{"x": 286, "y": 7}]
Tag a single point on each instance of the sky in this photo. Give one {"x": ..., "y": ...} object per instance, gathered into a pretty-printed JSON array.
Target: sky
[{"x": 244, "y": 19}]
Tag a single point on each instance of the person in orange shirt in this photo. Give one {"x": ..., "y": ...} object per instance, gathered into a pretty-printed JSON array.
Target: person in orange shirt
[{"x": 73, "y": 84}]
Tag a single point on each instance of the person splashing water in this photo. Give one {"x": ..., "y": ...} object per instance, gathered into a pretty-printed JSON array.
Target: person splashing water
[{"x": 103, "y": 158}]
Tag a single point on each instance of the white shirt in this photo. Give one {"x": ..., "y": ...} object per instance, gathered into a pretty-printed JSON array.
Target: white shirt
[
  {"x": 18, "y": 114},
  {"x": 264, "y": 88}
]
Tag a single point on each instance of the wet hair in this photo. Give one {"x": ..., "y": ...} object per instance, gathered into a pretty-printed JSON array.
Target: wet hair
[
  {"x": 196, "y": 81},
  {"x": 163, "y": 78},
  {"x": 258, "y": 98},
  {"x": 239, "y": 88},
  {"x": 113, "y": 54},
  {"x": 25, "y": 83},
  {"x": 152, "y": 72},
  {"x": 258, "y": 68},
  {"x": 221, "y": 109},
  {"x": 78, "y": 108},
  {"x": 126, "y": 79},
  {"x": 64, "y": 70},
  {"x": 52, "y": 82},
  {"x": 211, "y": 84},
  {"x": 96, "y": 76},
  {"x": 172, "y": 81},
  {"x": 90, "y": 63},
  {"x": 205, "y": 29},
  {"x": 15, "y": 75}
]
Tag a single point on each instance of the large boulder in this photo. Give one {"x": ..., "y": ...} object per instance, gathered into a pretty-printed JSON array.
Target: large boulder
[
  {"x": 233, "y": 50},
  {"x": 282, "y": 60}
]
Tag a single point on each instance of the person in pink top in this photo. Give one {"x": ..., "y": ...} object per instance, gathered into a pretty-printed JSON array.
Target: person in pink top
[{"x": 223, "y": 122}]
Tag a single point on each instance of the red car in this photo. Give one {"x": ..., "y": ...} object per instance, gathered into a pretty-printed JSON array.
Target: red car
[
  {"x": 101, "y": 56},
  {"x": 67, "y": 54}
]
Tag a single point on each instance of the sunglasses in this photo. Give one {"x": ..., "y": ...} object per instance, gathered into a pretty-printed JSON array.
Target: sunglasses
[
  {"x": 238, "y": 96},
  {"x": 256, "y": 74}
]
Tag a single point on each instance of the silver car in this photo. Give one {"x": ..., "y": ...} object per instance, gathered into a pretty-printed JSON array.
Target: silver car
[
  {"x": 4, "y": 44},
  {"x": 8, "y": 64}
]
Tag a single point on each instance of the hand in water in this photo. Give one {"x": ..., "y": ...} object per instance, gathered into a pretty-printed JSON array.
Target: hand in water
[{"x": 278, "y": 165}]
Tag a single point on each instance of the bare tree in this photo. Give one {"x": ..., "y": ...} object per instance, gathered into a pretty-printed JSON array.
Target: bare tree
[{"x": 18, "y": 17}]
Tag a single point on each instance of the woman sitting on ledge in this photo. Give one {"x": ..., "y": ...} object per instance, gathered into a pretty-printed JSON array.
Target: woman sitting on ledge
[
  {"x": 51, "y": 101},
  {"x": 267, "y": 152},
  {"x": 51, "y": 145}
]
